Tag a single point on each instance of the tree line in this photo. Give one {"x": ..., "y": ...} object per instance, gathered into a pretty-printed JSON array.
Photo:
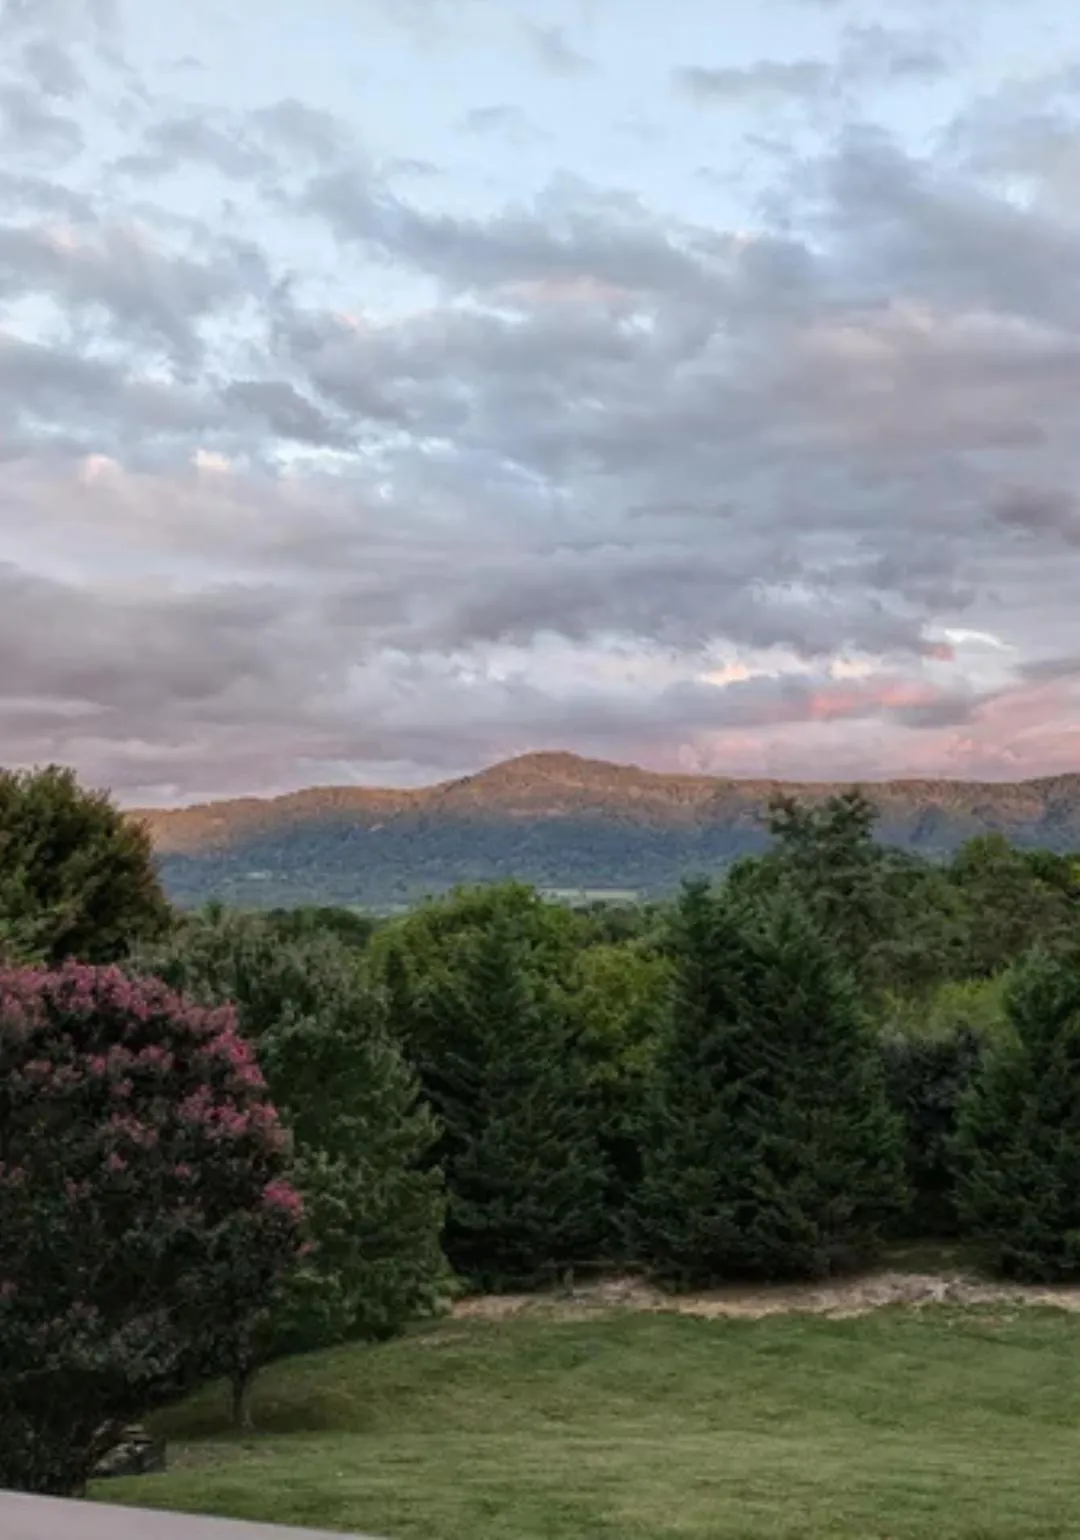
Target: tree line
[{"x": 226, "y": 1137}]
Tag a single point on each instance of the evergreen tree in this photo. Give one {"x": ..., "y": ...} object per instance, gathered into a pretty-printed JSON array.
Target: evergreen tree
[
  {"x": 362, "y": 1136},
  {"x": 1017, "y": 1149},
  {"x": 525, "y": 1178},
  {"x": 773, "y": 1152}
]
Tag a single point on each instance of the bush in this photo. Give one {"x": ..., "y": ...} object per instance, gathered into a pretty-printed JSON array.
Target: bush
[
  {"x": 145, "y": 1211},
  {"x": 774, "y": 1153},
  {"x": 1017, "y": 1149},
  {"x": 77, "y": 877},
  {"x": 339, "y": 1078}
]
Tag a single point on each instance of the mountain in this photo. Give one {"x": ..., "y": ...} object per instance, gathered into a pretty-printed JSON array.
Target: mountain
[{"x": 554, "y": 819}]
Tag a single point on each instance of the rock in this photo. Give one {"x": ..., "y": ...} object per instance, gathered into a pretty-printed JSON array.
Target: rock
[{"x": 135, "y": 1453}]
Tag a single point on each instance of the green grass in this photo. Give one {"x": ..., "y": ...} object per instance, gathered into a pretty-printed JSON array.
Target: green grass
[{"x": 939, "y": 1425}]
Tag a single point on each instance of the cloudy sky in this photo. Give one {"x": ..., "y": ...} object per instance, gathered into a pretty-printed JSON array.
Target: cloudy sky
[{"x": 391, "y": 386}]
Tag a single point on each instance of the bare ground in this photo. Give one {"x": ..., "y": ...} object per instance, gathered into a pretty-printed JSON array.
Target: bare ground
[{"x": 838, "y": 1298}]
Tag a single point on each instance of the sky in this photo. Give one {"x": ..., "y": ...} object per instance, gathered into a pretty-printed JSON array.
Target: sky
[{"x": 390, "y": 387}]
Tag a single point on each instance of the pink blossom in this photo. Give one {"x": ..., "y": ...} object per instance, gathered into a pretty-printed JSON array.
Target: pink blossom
[
  {"x": 183, "y": 1171},
  {"x": 281, "y": 1195},
  {"x": 140, "y": 1134},
  {"x": 116, "y": 1162}
]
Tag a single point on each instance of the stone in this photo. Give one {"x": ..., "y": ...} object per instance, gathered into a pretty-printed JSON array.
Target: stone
[{"x": 135, "y": 1453}]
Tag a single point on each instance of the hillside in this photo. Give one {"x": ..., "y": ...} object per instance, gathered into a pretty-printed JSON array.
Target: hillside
[{"x": 555, "y": 819}]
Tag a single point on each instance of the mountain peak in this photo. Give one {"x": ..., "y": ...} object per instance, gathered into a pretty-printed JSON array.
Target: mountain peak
[{"x": 540, "y": 765}]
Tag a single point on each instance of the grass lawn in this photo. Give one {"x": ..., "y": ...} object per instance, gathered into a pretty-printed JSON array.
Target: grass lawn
[{"x": 902, "y": 1425}]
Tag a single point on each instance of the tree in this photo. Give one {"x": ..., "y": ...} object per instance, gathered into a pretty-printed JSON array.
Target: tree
[
  {"x": 146, "y": 1214},
  {"x": 1013, "y": 899},
  {"x": 77, "y": 877},
  {"x": 362, "y": 1139},
  {"x": 618, "y": 1000},
  {"x": 499, "y": 1064},
  {"x": 1017, "y": 1149},
  {"x": 893, "y": 919},
  {"x": 773, "y": 1152}
]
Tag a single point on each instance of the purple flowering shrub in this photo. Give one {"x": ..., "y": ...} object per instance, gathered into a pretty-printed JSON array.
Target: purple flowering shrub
[{"x": 146, "y": 1212}]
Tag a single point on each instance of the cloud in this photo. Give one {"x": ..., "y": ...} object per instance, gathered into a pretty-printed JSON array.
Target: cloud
[
  {"x": 29, "y": 127},
  {"x": 191, "y": 139},
  {"x": 51, "y": 68},
  {"x": 768, "y": 78},
  {"x": 870, "y": 55},
  {"x": 370, "y": 476},
  {"x": 506, "y": 121},
  {"x": 551, "y": 49}
]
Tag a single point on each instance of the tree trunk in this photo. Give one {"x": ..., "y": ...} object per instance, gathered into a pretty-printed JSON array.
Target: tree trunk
[{"x": 242, "y": 1382}]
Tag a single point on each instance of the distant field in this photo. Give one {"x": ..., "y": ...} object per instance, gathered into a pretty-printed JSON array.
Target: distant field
[{"x": 941, "y": 1424}]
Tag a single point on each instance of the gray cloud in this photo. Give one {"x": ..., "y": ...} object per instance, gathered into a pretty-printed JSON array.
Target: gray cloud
[
  {"x": 192, "y": 139},
  {"x": 504, "y": 120},
  {"x": 768, "y": 78},
  {"x": 52, "y": 68},
  {"x": 528, "y": 504},
  {"x": 551, "y": 48},
  {"x": 870, "y": 55},
  {"x": 28, "y": 126}
]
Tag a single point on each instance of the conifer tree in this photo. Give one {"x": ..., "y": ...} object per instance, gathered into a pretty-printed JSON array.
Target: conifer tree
[
  {"x": 362, "y": 1137},
  {"x": 525, "y": 1178},
  {"x": 773, "y": 1152},
  {"x": 1017, "y": 1149}
]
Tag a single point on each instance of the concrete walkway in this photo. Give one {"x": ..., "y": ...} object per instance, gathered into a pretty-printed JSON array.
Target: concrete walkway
[{"x": 53, "y": 1518}]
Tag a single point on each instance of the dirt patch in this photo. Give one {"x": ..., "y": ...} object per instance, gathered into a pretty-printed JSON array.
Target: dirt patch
[{"x": 837, "y": 1299}]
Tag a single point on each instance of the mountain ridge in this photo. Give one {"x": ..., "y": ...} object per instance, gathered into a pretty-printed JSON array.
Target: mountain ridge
[
  {"x": 556, "y": 819},
  {"x": 532, "y": 774}
]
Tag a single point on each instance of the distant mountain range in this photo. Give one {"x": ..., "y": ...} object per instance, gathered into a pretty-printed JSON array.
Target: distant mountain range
[{"x": 568, "y": 824}]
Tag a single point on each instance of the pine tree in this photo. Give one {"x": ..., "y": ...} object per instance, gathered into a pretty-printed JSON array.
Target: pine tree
[
  {"x": 1017, "y": 1150},
  {"x": 524, "y": 1174},
  {"x": 773, "y": 1152}
]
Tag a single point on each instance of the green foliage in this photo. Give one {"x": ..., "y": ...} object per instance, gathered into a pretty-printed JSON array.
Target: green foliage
[
  {"x": 973, "y": 1005},
  {"x": 1018, "y": 1142},
  {"x": 362, "y": 1140},
  {"x": 618, "y": 1001},
  {"x": 145, "y": 1213},
  {"x": 926, "y": 1079},
  {"x": 478, "y": 1006},
  {"x": 1014, "y": 900},
  {"x": 773, "y": 1150},
  {"x": 892, "y": 919},
  {"x": 347, "y": 925},
  {"x": 77, "y": 878}
]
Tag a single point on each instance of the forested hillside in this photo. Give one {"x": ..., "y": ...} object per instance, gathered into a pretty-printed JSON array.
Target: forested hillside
[{"x": 555, "y": 820}]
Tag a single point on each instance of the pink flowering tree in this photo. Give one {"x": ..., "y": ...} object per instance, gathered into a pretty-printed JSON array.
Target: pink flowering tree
[{"x": 146, "y": 1211}]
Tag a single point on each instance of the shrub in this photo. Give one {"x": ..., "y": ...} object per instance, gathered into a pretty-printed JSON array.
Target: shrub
[
  {"x": 1018, "y": 1142},
  {"x": 145, "y": 1210},
  {"x": 78, "y": 877},
  {"x": 362, "y": 1139},
  {"x": 773, "y": 1153}
]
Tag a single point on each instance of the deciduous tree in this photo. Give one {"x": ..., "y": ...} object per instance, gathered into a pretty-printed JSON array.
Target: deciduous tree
[{"x": 146, "y": 1211}]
